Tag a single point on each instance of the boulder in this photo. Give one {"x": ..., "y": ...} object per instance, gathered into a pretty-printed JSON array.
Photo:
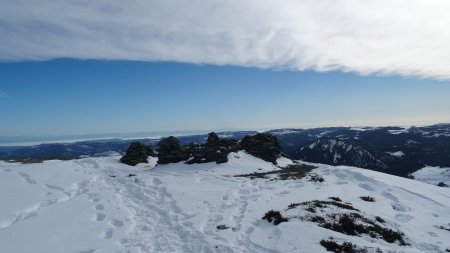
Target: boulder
[
  {"x": 137, "y": 153},
  {"x": 214, "y": 150},
  {"x": 170, "y": 150},
  {"x": 262, "y": 145}
]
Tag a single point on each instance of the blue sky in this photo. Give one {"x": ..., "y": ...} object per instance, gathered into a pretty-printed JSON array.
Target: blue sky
[
  {"x": 78, "y": 97},
  {"x": 80, "y": 67}
]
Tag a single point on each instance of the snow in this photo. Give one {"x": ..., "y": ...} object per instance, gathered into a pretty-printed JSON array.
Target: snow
[
  {"x": 398, "y": 154},
  {"x": 349, "y": 147},
  {"x": 433, "y": 175},
  {"x": 362, "y": 129},
  {"x": 399, "y": 131},
  {"x": 285, "y": 131},
  {"x": 99, "y": 205},
  {"x": 336, "y": 157}
]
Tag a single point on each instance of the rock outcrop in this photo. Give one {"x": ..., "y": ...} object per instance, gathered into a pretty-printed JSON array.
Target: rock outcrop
[
  {"x": 137, "y": 153},
  {"x": 170, "y": 150},
  {"x": 214, "y": 150},
  {"x": 262, "y": 145}
]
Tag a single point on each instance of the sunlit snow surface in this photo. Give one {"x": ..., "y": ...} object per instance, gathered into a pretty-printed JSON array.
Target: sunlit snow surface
[
  {"x": 97, "y": 205},
  {"x": 433, "y": 175}
]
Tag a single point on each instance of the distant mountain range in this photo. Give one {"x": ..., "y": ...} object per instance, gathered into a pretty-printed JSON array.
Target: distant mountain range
[
  {"x": 95, "y": 148},
  {"x": 393, "y": 150}
]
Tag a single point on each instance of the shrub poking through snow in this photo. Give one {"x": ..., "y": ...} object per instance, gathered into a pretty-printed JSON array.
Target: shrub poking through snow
[
  {"x": 274, "y": 216},
  {"x": 341, "y": 217},
  {"x": 322, "y": 204},
  {"x": 379, "y": 219},
  {"x": 446, "y": 227},
  {"x": 294, "y": 171},
  {"x": 367, "y": 198},
  {"x": 336, "y": 199},
  {"x": 442, "y": 184},
  {"x": 262, "y": 145},
  {"x": 316, "y": 178},
  {"x": 137, "y": 153},
  {"x": 346, "y": 247},
  {"x": 222, "y": 227},
  {"x": 170, "y": 150},
  {"x": 356, "y": 224}
]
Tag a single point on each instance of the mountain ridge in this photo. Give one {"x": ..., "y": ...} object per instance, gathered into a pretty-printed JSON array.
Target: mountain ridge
[{"x": 420, "y": 146}]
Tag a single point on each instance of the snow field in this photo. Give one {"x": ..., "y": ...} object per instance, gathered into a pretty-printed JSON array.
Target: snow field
[{"x": 96, "y": 205}]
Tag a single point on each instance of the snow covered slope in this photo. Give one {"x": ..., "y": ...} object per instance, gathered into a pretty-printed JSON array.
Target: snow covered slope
[
  {"x": 99, "y": 205},
  {"x": 433, "y": 175}
]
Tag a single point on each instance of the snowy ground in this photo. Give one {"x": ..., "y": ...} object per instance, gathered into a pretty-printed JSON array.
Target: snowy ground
[
  {"x": 98, "y": 205},
  {"x": 433, "y": 175}
]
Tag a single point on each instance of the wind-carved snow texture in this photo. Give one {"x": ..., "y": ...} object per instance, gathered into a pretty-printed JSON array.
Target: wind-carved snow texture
[{"x": 96, "y": 205}]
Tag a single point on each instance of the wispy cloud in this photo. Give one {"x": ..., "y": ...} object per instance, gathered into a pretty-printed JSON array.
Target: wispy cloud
[
  {"x": 3, "y": 94},
  {"x": 402, "y": 37}
]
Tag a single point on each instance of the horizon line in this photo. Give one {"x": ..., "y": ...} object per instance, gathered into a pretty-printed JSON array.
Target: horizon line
[{"x": 66, "y": 139}]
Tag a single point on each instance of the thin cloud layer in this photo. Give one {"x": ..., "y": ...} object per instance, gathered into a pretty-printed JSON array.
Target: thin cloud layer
[{"x": 402, "y": 37}]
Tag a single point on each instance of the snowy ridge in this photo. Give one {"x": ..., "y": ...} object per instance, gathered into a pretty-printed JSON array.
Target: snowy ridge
[
  {"x": 99, "y": 205},
  {"x": 433, "y": 175},
  {"x": 335, "y": 151}
]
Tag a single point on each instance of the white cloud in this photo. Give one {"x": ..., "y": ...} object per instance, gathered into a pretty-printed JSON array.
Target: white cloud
[
  {"x": 403, "y": 37},
  {"x": 3, "y": 94}
]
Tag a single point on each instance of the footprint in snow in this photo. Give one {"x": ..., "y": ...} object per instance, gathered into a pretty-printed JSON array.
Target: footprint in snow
[
  {"x": 366, "y": 187},
  {"x": 249, "y": 230},
  {"x": 107, "y": 234},
  {"x": 100, "y": 217},
  {"x": 390, "y": 196},
  {"x": 400, "y": 207},
  {"x": 116, "y": 223},
  {"x": 99, "y": 207},
  {"x": 432, "y": 234},
  {"x": 403, "y": 217},
  {"x": 157, "y": 181}
]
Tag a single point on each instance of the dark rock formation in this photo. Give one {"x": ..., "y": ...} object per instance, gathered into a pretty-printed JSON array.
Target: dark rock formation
[
  {"x": 212, "y": 138},
  {"x": 262, "y": 145},
  {"x": 170, "y": 150},
  {"x": 137, "y": 153},
  {"x": 214, "y": 150}
]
